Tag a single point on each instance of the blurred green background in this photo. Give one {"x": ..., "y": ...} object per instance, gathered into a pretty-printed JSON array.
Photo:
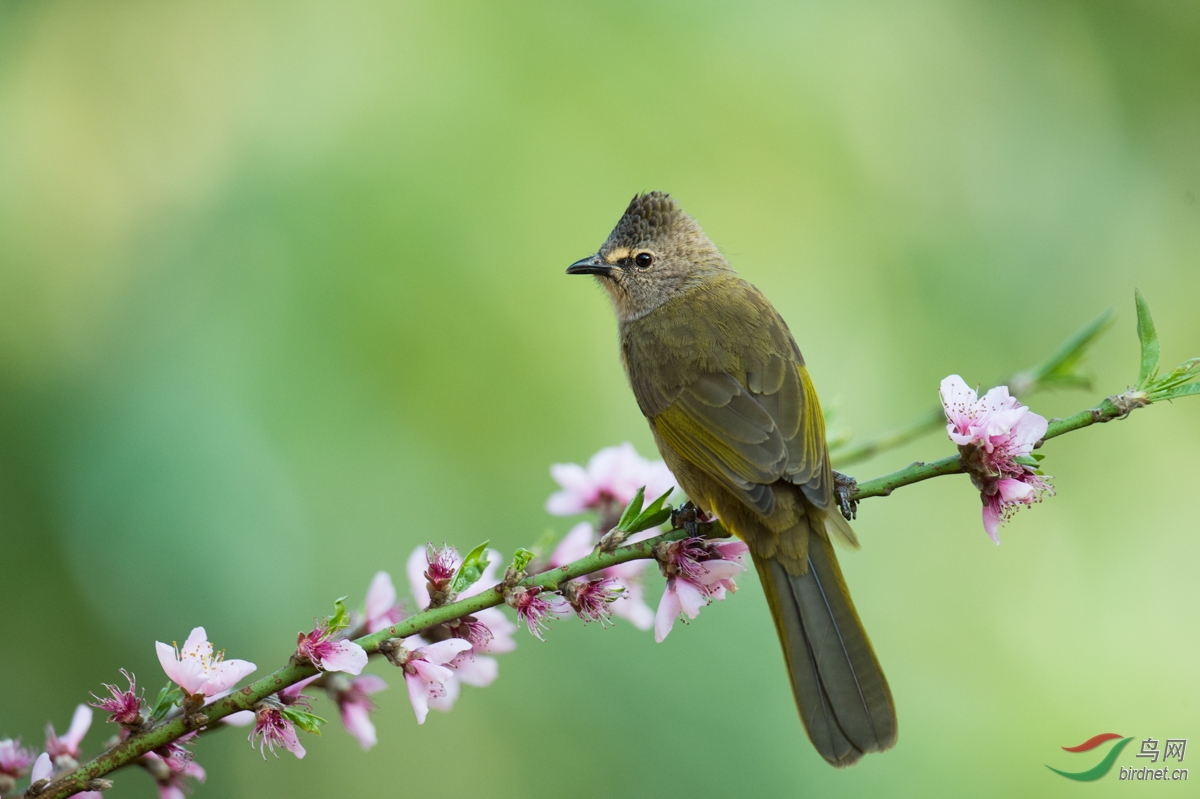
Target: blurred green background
[{"x": 282, "y": 297}]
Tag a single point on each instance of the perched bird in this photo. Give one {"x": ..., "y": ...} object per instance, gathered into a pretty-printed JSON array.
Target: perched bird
[{"x": 717, "y": 374}]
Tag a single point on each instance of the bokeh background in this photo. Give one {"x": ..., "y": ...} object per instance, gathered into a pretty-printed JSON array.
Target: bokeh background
[{"x": 282, "y": 297}]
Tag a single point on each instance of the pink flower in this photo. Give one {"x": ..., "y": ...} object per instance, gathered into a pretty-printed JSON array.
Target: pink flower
[
  {"x": 631, "y": 606},
  {"x": 175, "y": 755},
  {"x": 196, "y": 670},
  {"x": 501, "y": 628},
  {"x": 590, "y": 599},
  {"x": 330, "y": 655},
  {"x": 613, "y": 475},
  {"x": 272, "y": 729},
  {"x": 418, "y": 563},
  {"x": 489, "y": 631},
  {"x": 354, "y": 703},
  {"x": 992, "y": 434},
  {"x": 533, "y": 609},
  {"x": 14, "y": 758},
  {"x": 171, "y": 782},
  {"x": 697, "y": 573},
  {"x": 426, "y": 674},
  {"x": 382, "y": 609},
  {"x": 125, "y": 707},
  {"x": 292, "y": 694},
  {"x": 68, "y": 744}
]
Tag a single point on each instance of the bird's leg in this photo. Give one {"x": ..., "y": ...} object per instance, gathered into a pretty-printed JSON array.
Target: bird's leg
[
  {"x": 844, "y": 486},
  {"x": 687, "y": 517}
]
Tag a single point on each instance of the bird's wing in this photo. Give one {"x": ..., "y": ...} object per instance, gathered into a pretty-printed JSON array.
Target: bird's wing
[{"x": 750, "y": 430}]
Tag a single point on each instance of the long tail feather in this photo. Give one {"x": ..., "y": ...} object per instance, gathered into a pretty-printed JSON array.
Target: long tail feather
[{"x": 840, "y": 690}]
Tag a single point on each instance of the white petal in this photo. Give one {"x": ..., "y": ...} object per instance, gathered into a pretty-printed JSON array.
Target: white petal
[
  {"x": 668, "y": 611},
  {"x": 445, "y": 651},
  {"x": 347, "y": 656},
  {"x": 415, "y": 569},
  {"x": 381, "y": 595}
]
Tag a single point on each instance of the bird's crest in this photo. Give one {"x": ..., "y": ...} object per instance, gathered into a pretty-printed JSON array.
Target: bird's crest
[{"x": 648, "y": 216}]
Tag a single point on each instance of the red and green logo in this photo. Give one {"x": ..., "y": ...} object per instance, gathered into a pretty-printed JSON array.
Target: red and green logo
[{"x": 1106, "y": 763}]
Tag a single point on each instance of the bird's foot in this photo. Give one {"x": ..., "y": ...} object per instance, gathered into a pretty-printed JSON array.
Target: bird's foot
[
  {"x": 844, "y": 487},
  {"x": 687, "y": 517}
]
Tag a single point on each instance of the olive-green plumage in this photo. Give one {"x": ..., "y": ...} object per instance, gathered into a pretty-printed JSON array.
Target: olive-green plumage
[{"x": 717, "y": 374}]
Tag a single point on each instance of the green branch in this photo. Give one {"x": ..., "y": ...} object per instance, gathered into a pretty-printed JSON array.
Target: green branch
[
  {"x": 247, "y": 697},
  {"x": 1058, "y": 369}
]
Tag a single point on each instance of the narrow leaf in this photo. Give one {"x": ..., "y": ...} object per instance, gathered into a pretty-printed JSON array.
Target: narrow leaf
[
  {"x": 1061, "y": 367},
  {"x": 472, "y": 569},
  {"x": 1148, "y": 339},
  {"x": 648, "y": 520},
  {"x": 632, "y": 510},
  {"x": 1176, "y": 393},
  {"x": 170, "y": 695}
]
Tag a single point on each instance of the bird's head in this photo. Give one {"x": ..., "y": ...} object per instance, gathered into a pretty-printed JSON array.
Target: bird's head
[{"x": 655, "y": 253}]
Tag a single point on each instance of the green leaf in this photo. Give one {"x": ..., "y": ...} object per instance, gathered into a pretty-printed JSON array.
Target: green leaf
[
  {"x": 1149, "y": 341},
  {"x": 1061, "y": 368},
  {"x": 340, "y": 619},
  {"x": 632, "y": 510},
  {"x": 648, "y": 520},
  {"x": 1026, "y": 460},
  {"x": 1176, "y": 393},
  {"x": 170, "y": 695},
  {"x": 309, "y": 722},
  {"x": 521, "y": 559},
  {"x": 653, "y": 515},
  {"x": 1038, "y": 456},
  {"x": 471, "y": 569}
]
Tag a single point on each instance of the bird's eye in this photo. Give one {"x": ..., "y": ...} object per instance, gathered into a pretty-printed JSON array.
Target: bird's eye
[{"x": 643, "y": 260}]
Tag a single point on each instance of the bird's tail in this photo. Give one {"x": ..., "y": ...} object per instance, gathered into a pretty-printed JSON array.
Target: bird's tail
[{"x": 840, "y": 690}]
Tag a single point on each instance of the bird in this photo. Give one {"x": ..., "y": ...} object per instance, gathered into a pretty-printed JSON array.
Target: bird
[{"x": 719, "y": 377}]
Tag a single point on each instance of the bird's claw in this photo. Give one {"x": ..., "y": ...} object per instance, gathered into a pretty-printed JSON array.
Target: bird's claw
[
  {"x": 686, "y": 517},
  {"x": 844, "y": 487}
]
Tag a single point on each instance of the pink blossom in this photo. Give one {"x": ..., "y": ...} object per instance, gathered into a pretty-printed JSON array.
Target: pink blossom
[
  {"x": 992, "y": 433},
  {"x": 14, "y": 758},
  {"x": 272, "y": 729},
  {"x": 197, "y": 670},
  {"x": 501, "y": 628},
  {"x": 697, "y": 573},
  {"x": 417, "y": 564},
  {"x": 292, "y": 694},
  {"x": 612, "y": 475},
  {"x": 125, "y": 707},
  {"x": 171, "y": 782},
  {"x": 175, "y": 755},
  {"x": 631, "y": 605},
  {"x": 353, "y": 699},
  {"x": 327, "y": 654},
  {"x": 68, "y": 744},
  {"x": 426, "y": 674},
  {"x": 533, "y": 608},
  {"x": 590, "y": 599},
  {"x": 382, "y": 609},
  {"x": 489, "y": 631}
]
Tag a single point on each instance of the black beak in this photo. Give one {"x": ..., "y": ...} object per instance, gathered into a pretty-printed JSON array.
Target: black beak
[{"x": 592, "y": 265}]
